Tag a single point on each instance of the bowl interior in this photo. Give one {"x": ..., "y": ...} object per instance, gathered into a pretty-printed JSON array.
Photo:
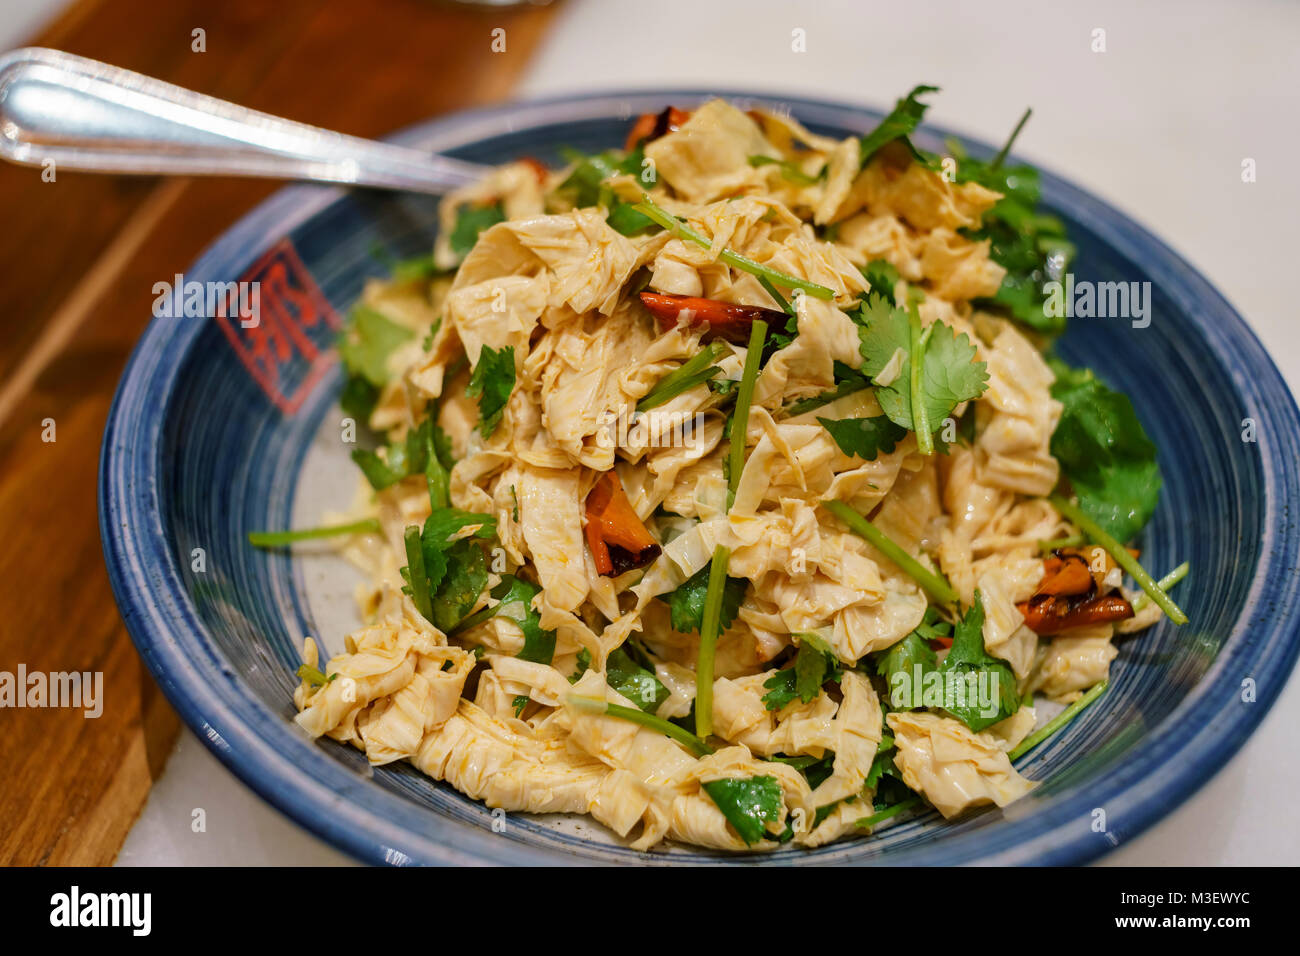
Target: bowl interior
[{"x": 246, "y": 436}]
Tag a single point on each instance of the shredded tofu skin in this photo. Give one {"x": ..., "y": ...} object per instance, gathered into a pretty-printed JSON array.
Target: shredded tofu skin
[{"x": 554, "y": 402}]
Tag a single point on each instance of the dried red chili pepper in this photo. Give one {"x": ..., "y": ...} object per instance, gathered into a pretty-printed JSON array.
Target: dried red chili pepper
[
  {"x": 725, "y": 319},
  {"x": 618, "y": 539}
]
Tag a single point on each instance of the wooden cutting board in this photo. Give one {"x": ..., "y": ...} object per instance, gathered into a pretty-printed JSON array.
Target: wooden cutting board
[{"x": 78, "y": 259}]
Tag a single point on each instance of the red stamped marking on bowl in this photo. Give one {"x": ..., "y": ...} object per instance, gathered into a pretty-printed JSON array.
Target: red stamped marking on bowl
[{"x": 288, "y": 347}]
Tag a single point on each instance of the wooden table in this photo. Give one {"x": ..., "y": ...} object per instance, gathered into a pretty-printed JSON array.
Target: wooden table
[{"x": 78, "y": 258}]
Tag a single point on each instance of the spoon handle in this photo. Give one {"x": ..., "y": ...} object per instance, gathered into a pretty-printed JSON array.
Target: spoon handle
[{"x": 86, "y": 115}]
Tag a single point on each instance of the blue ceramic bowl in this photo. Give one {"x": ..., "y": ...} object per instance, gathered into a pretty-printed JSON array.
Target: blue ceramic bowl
[{"x": 217, "y": 430}]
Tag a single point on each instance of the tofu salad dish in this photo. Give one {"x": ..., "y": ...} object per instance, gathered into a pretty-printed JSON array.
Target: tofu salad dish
[{"x": 726, "y": 487}]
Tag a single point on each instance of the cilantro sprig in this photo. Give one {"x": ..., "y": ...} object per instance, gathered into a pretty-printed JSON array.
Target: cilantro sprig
[
  {"x": 445, "y": 574},
  {"x": 899, "y": 124},
  {"x": 939, "y": 370},
  {"x": 470, "y": 221},
  {"x": 968, "y": 661},
  {"x": 814, "y": 664},
  {"x": 491, "y": 382}
]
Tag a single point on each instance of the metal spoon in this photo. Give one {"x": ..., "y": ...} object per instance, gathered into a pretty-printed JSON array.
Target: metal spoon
[{"x": 85, "y": 115}]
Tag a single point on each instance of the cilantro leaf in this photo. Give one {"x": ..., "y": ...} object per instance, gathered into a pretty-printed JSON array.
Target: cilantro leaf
[
  {"x": 584, "y": 665},
  {"x": 1105, "y": 453},
  {"x": 901, "y": 122},
  {"x": 443, "y": 577},
  {"x": 780, "y": 689},
  {"x": 686, "y": 603},
  {"x": 422, "y": 450},
  {"x": 515, "y": 602},
  {"x": 634, "y": 682},
  {"x": 949, "y": 373},
  {"x": 749, "y": 804},
  {"x": 864, "y": 437},
  {"x": 491, "y": 383},
  {"x": 883, "y": 277},
  {"x": 366, "y": 343},
  {"x": 586, "y": 186},
  {"x": 968, "y": 661},
  {"x": 814, "y": 664},
  {"x": 359, "y": 398},
  {"x": 814, "y": 769},
  {"x": 436, "y": 539},
  {"x": 465, "y": 575},
  {"x": 1030, "y": 244},
  {"x": 884, "y": 778},
  {"x": 899, "y": 666},
  {"x": 470, "y": 221}
]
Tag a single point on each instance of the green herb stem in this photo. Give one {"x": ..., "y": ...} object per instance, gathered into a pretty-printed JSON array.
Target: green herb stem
[
  {"x": 1059, "y": 721},
  {"x": 709, "y": 641},
  {"x": 1122, "y": 558},
  {"x": 1051, "y": 544},
  {"x": 417, "y": 577},
  {"x": 475, "y": 619},
  {"x": 880, "y": 816},
  {"x": 744, "y": 399},
  {"x": 278, "y": 539},
  {"x": 1168, "y": 581},
  {"x": 920, "y": 414},
  {"x": 314, "y": 675},
  {"x": 1006, "y": 147},
  {"x": 777, "y": 297},
  {"x": 933, "y": 583},
  {"x": 687, "y": 375},
  {"x": 683, "y": 736},
  {"x": 651, "y": 210}
]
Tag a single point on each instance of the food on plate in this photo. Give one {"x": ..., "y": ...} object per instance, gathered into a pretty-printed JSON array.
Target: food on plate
[{"x": 729, "y": 490}]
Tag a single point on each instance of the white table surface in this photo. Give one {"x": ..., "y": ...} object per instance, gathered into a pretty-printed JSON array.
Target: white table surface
[{"x": 1158, "y": 124}]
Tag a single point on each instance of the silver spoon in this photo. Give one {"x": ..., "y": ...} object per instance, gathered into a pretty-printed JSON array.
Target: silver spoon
[{"x": 85, "y": 115}]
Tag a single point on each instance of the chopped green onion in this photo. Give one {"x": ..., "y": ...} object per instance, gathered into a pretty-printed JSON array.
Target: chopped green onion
[
  {"x": 934, "y": 583},
  {"x": 709, "y": 641},
  {"x": 683, "y": 736},
  {"x": 1168, "y": 581},
  {"x": 1059, "y": 721},
  {"x": 1070, "y": 541},
  {"x": 1121, "y": 556},
  {"x": 277, "y": 539},
  {"x": 651, "y": 210},
  {"x": 881, "y": 816},
  {"x": 780, "y": 300},
  {"x": 694, "y": 371},
  {"x": 744, "y": 398}
]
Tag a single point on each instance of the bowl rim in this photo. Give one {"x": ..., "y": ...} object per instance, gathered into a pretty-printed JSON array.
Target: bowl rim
[{"x": 278, "y": 762}]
